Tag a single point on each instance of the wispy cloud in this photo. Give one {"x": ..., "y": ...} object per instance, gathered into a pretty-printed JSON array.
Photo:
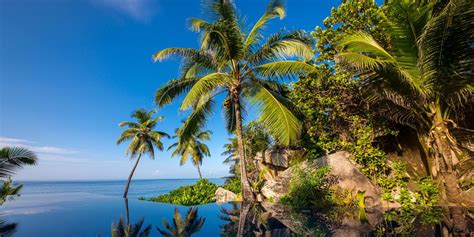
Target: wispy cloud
[
  {"x": 47, "y": 150},
  {"x": 140, "y": 10}
]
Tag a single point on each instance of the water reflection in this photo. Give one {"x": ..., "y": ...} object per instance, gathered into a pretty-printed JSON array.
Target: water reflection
[
  {"x": 6, "y": 228},
  {"x": 180, "y": 227},
  {"x": 271, "y": 219},
  {"x": 183, "y": 227},
  {"x": 130, "y": 230}
]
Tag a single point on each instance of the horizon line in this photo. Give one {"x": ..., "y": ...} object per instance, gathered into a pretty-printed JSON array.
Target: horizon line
[{"x": 90, "y": 180}]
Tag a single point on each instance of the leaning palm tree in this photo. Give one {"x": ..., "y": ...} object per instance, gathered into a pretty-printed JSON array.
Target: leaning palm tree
[
  {"x": 183, "y": 228},
  {"x": 192, "y": 147},
  {"x": 424, "y": 79},
  {"x": 143, "y": 138},
  {"x": 243, "y": 66}
]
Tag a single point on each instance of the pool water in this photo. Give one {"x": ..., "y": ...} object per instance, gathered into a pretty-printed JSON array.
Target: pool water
[{"x": 84, "y": 214}]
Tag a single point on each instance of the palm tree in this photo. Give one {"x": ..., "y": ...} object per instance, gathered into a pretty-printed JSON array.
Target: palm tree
[
  {"x": 143, "y": 138},
  {"x": 242, "y": 66},
  {"x": 128, "y": 230},
  {"x": 7, "y": 191},
  {"x": 183, "y": 228},
  {"x": 13, "y": 158},
  {"x": 424, "y": 80},
  {"x": 193, "y": 147}
]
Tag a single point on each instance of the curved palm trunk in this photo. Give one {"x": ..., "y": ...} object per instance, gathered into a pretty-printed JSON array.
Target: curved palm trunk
[
  {"x": 247, "y": 194},
  {"x": 127, "y": 213},
  {"x": 125, "y": 193},
  {"x": 199, "y": 171}
]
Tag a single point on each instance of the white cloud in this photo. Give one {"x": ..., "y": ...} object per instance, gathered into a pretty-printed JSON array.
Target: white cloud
[
  {"x": 141, "y": 10},
  {"x": 45, "y": 150}
]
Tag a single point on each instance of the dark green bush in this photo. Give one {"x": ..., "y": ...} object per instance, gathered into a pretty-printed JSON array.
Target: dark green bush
[
  {"x": 201, "y": 192},
  {"x": 309, "y": 189}
]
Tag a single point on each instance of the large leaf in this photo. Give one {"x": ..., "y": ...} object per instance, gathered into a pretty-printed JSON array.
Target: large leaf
[
  {"x": 203, "y": 86},
  {"x": 276, "y": 115},
  {"x": 282, "y": 69}
]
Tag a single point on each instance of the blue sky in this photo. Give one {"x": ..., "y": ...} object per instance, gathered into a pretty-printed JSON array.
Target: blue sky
[{"x": 71, "y": 70}]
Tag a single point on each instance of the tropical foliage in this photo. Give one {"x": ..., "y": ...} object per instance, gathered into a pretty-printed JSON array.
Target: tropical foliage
[
  {"x": 191, "y": 147},
  {"x": 12, "y": 159},
  {"x": 201, "y": 192},
  {"x": 424, "y": 79},
  {"x": 183, "y": 227},
  {"x": 243, "y": 66},
  {"x": 256, "y": 139},
  {"x": 143, "y": 138}
]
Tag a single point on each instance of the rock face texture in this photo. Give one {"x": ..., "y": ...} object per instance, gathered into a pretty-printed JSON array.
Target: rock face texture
[
  {"x": 348, "y": 177},
  {"x": 223, "y": 195},
  {"x": 275, "y": 161}
]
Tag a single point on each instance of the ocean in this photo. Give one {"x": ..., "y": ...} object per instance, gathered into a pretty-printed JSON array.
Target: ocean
[{"x": 138, "y": 188}]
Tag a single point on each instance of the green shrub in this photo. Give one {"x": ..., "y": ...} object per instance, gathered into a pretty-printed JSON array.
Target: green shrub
[
  {"x": 201, "y": 192},
  {"x": 309, "y": 189},
  {"x": 233, "y": 184}
]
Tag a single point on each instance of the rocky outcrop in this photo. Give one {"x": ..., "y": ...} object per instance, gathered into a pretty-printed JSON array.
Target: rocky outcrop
[
  {"x": 348, "y": 177},
  {"x": 223, "y": 195},
  {"x": 274, "y": 161}
]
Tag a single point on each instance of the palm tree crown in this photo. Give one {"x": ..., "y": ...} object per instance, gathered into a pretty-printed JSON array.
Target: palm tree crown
[
  {"x": 192, "y": 147},
  {"x": 183, "y": 228},
  {"x": 237, "y": 63},
  {"x": 243, "y": 66},
  {"x": 142, "y": 136}
]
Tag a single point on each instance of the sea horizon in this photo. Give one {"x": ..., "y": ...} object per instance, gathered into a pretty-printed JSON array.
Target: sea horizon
[{"x": 104, "y": 180}]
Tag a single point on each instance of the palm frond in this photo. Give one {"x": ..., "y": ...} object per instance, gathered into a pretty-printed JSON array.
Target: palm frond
[
  {"x": 205, "y": 85},
  {"x": 14, "y": 158},
  {"x": 277, "y": 116},
  {"x": 275, "y": 9},
  {"x": 172, "y": 89},
  {"x": 282, "y": 46},
  {"x": 282, "y": 69}
]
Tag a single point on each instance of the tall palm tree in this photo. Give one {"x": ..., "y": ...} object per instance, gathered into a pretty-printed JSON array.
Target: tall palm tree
[
  {"x": 424, "y": 80},
  {"x": 143, "y": 138},
  {"x": 193, "y": 147},
  {"x": 242, "y": 65},
  {"x": 183, "y": 228}
]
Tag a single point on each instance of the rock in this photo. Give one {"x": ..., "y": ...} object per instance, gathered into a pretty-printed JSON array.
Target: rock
[
  {"x": 274, "y": 161},
  {"x": 348, "y": 177},
  {"x": 223, "y": 195}
]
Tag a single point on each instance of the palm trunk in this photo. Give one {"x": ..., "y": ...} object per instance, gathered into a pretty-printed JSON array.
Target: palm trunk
[
  {"x": 244, "y": 210},
  {"x": 127, "y": 213},
  {"x": 199, "y": 171},
  {"x": 130, "y": 176},
  {"x": 247, "y": 194},
  {"x": 445, "y": 154}
]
